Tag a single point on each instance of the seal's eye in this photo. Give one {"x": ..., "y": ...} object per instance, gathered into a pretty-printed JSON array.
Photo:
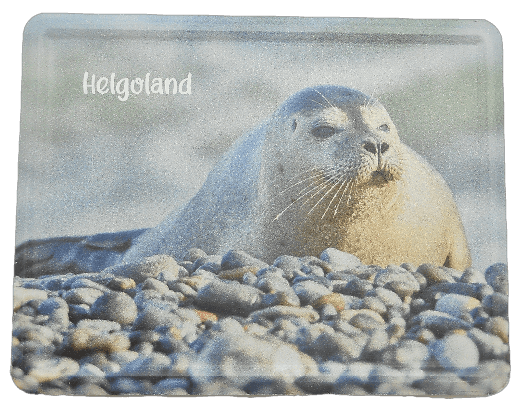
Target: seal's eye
[
  {"x": 323, "y": 131},
  {"x": 384, "y": 128}
]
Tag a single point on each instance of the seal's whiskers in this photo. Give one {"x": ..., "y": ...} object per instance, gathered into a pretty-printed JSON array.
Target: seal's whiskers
[
  {"x": 345, "y": 180},
  {"x": 322, "y": 183}
]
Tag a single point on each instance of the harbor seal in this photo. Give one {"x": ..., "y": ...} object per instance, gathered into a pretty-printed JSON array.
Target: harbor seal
[{"x": 327, "y": 169}]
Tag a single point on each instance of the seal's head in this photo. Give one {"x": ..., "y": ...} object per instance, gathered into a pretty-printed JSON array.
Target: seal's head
[
  {"x": 331, "y": 142},
  {"x": 348, "y": 134}
]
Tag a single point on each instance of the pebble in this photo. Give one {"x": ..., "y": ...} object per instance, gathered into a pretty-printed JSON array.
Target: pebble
[
  {"x": 390, "y": 299},
  {"x": 334, "y": 346},
  {"x": 348, "y": 315},
  {"x": 51, "y": 369},
  {"x": 335, "y": 299},
  {"x": 284, "y": 298},
  {"x": 489, "y": 346},
  {"x": 339, "y": 260},
  {"x": 238, "y": 273},
  {"x": 309, "y": 291},
  {"x": 149, "y": 267},
  {"x": 87, "y": 283},
  {"x": 365, "y": 321},
  {"x": 439, "y": 322},
  {"x": 277, "y": 312},
  {"x": 241, "y": 360},
  {"x": 81, "y": 296},
  {"x": 173, "y": 386},
  {"x": 210, "y": 263},
  {"x": 89, "y": 373},
  {"x": 457, "y": 305},
  {"x": 434, "y": 274},
  {"x": 433, "y": 292},
  {"x": 403, "y": 289},
  {"x": 239, "y": 259},
  {"x": 472, "y": 275},
  {"x": 498, "y": 326},
  {"x": 375, "y": 304},
  {"x": 115, "y": 306},
  {"x": 355, "y": 287},
  {"x": 199, "y": 281},
  {"x": 153, "y": 316},
  {"x": 155, "y": 284},
  {"x": 193, "y": 254},
  {"x": 496, "y": 304},
  {"x": 229, "y": 297},
  {"x": 496, "y": 276},
  {"x": 409, "y": 354},
  {"x": 396, "y": 273},
  {"x": 152, "y": 364},
  {"x": 455, "y": 352},
  {"x": 272, "y": 281},
  {"x": 121, "y": 284},
  {"x": 21, "y": 296}
]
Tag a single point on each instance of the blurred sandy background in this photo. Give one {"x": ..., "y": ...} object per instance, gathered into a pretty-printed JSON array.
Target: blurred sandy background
[{"x": 91, "y": 163}]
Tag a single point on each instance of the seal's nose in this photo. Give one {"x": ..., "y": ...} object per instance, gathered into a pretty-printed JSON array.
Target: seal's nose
[{"x": 376, "y": 148}]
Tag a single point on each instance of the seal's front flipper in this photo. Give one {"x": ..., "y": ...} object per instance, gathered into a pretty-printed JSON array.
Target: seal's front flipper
[{"x": 72, "y": 254}]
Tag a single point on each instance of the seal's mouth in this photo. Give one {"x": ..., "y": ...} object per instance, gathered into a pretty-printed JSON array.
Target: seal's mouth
[{"x": 381, "y": 176}]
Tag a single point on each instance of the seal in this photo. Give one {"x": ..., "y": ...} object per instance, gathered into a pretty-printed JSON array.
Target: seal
[{"x": 327, "y": 169}]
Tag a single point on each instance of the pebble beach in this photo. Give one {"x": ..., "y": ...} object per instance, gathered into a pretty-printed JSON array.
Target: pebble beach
[{"x": 213, "y": 325}]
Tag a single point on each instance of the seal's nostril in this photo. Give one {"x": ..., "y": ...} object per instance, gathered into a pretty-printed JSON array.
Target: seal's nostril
[
  {"x": 370, "y": 147},
  {"x": 384, "y": 147}
]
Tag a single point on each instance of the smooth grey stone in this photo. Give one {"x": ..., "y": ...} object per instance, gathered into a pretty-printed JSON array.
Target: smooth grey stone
[
  {"x": 489, "y": 346},
  {"x": 291, "y": 266},
  {"x": 389, "y": 298},
  {"x": 284, "y": 298},
  {"x": 439, "y": 322},
  {"x": 210, "y": 263},
  {"x": 328, "y": 312},
  {"x": 408, "y": 354},
  {"x": 87, "y": 283},
  {"x": 497, "y": 276},
  {"x": 336, "y": 347},
  {"x": 395, "y": 273},
  {"x": 49, "y": 306},
  {"x": 318, "y": 279},
  {"x": 186, "y": 290},
  {"x": 89, "y": 373},
  {"x": 445, "y": 384},
  {"x": 491, "y": 376},
  {"x": 115, "y": 306},
  {"x": 229, "y": 297},
  {"x": 80, "y": 296},
  {"x": 155, "y": 284},
  {"x": 355, "y": 287},
  {"x": 309, "y": 291},
  {"x": 149, "y": 267},
  {"x": 239, "y": 359},
  {"x": 54, "y": 368},
  {"x": 193, "y": 254},
  {"x": 459, "y": 306},
  {"x": 129, "y": 386},
  {"x": 341, "y": 277},
  {"x": 472, "y": 275},
  {"x": 150, "y": 365},
  {"x": 434, "y": 274},
  {"x": 271, "y": 282},
  {"x": 238, "y": 259},
  {"x": 496, "y": 304},
  {"x": 432, "y": 293},
  {"x": 455, "y": 352},
  {"x": 153, "y": 316},
  {"x": 79, "y": 312},
  {"x": 339, "y": 260},
  {"x": 275, "y": 312},
  {"x": 102, "y": 326}
]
